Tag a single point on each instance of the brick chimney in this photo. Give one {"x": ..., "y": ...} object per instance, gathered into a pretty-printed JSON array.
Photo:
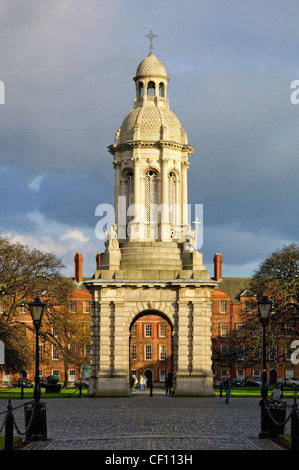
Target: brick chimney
[
  {"x": 78, "y": 258},
  {"x": 217, "y": 267},
  {"x": 98, "y": 259}
]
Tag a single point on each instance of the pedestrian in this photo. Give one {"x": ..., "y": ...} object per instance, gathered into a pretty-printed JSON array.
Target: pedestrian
[
  {"x": 227, "y": 386},
  {"x": 276, "y": 394},
  {"x": 142, "y": 383},
  {"x": 169, "y": 383},
  {"x": 135, "y": 382}
]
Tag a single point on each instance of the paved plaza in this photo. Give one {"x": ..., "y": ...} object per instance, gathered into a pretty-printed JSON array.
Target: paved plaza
[{"x": 148, "y": 423}]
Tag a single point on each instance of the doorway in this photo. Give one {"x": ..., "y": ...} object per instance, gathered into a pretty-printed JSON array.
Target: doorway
[
  {"x": 273, "y": 377},
  {"x": 151, "y": 346}
]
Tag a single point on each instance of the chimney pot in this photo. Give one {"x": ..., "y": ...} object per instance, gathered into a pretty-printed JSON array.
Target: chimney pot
[
  {"x": 78, "y": 258},
  {"x": 217, "y": 266}
]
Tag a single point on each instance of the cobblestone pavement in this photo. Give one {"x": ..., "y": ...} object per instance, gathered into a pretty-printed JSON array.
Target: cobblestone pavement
[{"x": 149, "y": 423}]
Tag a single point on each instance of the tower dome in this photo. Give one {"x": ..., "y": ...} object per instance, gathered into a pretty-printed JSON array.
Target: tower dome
[
  {"x": 151, "y": 66},
  {"x": 151, "y": 119}
]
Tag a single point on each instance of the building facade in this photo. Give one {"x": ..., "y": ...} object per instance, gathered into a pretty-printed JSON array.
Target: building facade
[
  {"x": 233, "y": 303},
  {"x": 52, "y": 360}
]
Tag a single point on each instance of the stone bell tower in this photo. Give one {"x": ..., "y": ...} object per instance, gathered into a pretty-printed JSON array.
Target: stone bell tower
[{"x": 151, "y": 265}]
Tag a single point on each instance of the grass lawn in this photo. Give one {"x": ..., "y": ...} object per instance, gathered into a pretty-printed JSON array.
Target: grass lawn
[
  {"x": 16, "y": 440},
  {"x": 253, "y": 392},
  {"x": 15, "y": 393},
  {"x": 72, "y": 392}
]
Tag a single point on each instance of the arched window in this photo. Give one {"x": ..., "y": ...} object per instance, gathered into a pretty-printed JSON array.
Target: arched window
[
  {"x": 171, "y": 197},
  {"x": 140, "y": 90},
  {"x": 151, "y": 89},
  {"x": 130, "y": 190},
  {"x": 150, "y": 195},
  {"x": 161, "y": 90}
]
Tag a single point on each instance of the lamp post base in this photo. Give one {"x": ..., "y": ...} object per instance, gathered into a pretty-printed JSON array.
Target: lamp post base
[
  {"x": 264, "y": 434},
  {"x": 36, "y": 422}
]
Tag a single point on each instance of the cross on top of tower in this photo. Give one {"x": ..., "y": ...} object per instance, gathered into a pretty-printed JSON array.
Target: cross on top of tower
[{"x": 151, "y": 37}]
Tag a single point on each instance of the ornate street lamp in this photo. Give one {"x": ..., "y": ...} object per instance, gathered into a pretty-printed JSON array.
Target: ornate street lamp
[
  {"x": 264, "y": 308},
  {"x": 37, "y": 309},
  {"x": 38, "y": 423}
]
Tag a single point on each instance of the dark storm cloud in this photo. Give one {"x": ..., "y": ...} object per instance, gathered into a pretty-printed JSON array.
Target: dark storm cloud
[{"x": 68, "y": 69}]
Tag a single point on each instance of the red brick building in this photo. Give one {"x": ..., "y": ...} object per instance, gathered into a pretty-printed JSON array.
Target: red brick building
[
  {"x": 151, "y": 347},
  {"x": 52, "y": 361},
  {"x": 231, "y": 299}
]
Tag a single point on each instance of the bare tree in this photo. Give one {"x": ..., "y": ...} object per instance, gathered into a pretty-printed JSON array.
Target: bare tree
[{"x": 24, "y": 274}]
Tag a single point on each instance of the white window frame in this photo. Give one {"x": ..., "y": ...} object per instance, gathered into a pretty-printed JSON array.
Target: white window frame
[
  {"x": 72, "y": 375},
  {"x": 162, "y": 375},
  {"x": 224, "y": 330},
  {"x": 162, "y": 352},
  {"x": 162, "y": 330},
  {"x": 148, "y": 352},
  {"x": 86, "y": 306},
  {"x": 55, "y": 352},
  {"x": 223, "y": 306},
  {"x": 148, "y": 330}
]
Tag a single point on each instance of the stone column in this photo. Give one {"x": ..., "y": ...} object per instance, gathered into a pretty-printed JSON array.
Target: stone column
[
  {"x": 95, "y": 347},
  {"x": 116, "y": 166},
  {"x": 198, "y": 346},
  {"x": 104, "y": 338},
  {"x": 121, "y": 341},
  {"x": 135, "y": 224},
  {"x": 184, "y": 196},
  {"x": 183, "y": 340},
  {"x": 113, "y": 375},
  {"x": 165, "y": 232}
]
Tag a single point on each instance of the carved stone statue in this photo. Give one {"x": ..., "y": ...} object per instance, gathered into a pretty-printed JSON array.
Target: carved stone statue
[
  {"x": 111, "y": 238},
  {"x": 190, "y": 237}
]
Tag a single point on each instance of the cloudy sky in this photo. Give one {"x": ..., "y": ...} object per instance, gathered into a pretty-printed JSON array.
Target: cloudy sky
[{"x": 67, "y": 67}]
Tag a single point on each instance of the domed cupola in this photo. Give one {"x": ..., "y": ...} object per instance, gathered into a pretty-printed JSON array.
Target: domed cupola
[{"x": 151, "y": 119}]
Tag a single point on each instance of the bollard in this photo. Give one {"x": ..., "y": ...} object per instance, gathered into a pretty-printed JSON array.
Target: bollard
[
  {"x": 151, "y": 388},
  {"x": 22, "y": 390},
  {"x": 9, "y": 428}
]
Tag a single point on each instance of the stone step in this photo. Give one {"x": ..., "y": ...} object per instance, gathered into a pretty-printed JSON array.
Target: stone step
[
  {"x": 150, "y": 256},
  {"x": 166, "y": 250},
  {"x": 155, "y": 264},
  {"x": 136, "y": 244}
]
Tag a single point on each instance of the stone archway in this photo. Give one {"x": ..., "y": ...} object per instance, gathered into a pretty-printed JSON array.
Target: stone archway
[{"x": 151, "y": 346}]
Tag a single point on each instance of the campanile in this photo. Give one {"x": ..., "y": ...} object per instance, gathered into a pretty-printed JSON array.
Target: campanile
[{"x": 151, "y": 271}]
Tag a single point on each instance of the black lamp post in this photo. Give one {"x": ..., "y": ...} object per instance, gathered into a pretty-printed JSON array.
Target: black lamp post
[
  {"x": 37, "y": 309},
  {"x": 38, "y": 423},
  {"x": 264, "y": 307}
]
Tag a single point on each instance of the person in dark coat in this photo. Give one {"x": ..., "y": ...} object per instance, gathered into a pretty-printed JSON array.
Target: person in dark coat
[
  {"x": 168, "y": 383},
  {"x": 227, "y": 386}
]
